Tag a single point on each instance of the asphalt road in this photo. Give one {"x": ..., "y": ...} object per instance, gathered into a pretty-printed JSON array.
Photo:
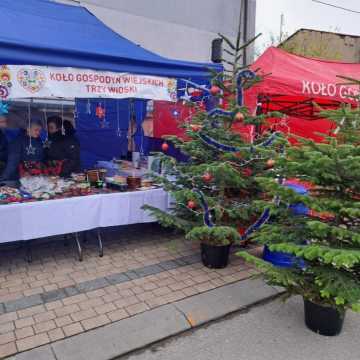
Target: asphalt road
[{"x": 273, "y": 331}]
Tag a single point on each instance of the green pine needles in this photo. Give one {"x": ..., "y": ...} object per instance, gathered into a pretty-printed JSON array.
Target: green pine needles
[
  {"x": 326, "y": 242},
  {"x": 227, "y": 180}
]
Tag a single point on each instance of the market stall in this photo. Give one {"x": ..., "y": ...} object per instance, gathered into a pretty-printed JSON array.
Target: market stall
[
  {"x": 52, "y": 51},
  {"x": 300, "y": 87}
]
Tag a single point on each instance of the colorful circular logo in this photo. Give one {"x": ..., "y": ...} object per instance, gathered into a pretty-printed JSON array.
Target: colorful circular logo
[
  {"x": 4, "y": 92},
  {"x": 32, "y": 80},
  {"x": 172, "y": 89},
  {"x": 5, "y": 81}
]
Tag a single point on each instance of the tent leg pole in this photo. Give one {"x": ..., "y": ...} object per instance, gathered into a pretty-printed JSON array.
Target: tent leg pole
[
  {"x": 66, "y": 240},
  {"x": 79, "y": 248},
  {"x": 28, "y": 252},
  {"x": 101, "y": 249}
]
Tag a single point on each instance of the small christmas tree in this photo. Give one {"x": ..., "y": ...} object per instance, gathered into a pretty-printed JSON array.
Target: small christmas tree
[
  {"x": 215, "y": 191},
  {"x": 325, "y": 241}
]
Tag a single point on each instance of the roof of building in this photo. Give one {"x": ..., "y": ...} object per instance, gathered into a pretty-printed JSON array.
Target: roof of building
[{"x": 297, "y": 32}]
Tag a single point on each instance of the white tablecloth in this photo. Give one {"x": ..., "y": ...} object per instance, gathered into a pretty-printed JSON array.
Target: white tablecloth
[{"x": 56, "y": 217}]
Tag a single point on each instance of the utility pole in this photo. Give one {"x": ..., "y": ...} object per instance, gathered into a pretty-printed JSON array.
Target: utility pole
[
  {"x": 244, "y": 16},
  {"x": 282, "y": 24}
]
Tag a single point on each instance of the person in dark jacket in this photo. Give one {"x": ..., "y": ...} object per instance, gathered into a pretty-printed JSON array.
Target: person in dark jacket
[
  {"x": 3, "y": 144},
  {"x": 26, "y": 148},
  {"x": 63, "y": 146}
]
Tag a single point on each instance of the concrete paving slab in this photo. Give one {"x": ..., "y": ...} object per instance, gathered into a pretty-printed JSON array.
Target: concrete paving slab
[
  {"x": 42, "y": 353},
  {"x": 217, "y": 303},
  {"x": 124, "y": 336}
]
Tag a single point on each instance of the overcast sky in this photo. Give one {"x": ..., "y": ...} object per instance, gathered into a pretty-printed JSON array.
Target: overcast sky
[{"x": 306, "y": 14}]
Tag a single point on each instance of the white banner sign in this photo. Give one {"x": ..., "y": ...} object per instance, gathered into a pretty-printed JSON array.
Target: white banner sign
[{"x": 27, "y": 81}]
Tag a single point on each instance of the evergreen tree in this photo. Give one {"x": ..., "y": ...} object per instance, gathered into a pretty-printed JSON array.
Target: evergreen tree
[
  {"x": 215, "y": 191},
  {"x": 326, "y": 241}
]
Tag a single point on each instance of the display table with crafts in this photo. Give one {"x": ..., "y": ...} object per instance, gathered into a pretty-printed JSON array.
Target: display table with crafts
[
  {"x": 33, "y": 220},
  {"x": 44, "y": 206}
]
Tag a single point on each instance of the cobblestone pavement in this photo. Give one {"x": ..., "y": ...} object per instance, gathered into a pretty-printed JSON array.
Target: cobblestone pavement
[{"x": 56, "y": 296}]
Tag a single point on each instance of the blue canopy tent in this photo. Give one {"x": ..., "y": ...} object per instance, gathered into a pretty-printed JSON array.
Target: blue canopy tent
[{"x": 42, "y": 32}]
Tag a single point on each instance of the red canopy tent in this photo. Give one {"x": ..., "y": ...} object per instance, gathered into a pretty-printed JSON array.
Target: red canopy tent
[
  {"x": 293, "y": 85},
  {"x": 296, "y": 86}
]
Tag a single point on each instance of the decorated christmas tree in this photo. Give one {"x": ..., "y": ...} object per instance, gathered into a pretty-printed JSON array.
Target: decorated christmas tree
[
  {"x": 215, "y": 191},
  {"x": 325, "y": 241}
]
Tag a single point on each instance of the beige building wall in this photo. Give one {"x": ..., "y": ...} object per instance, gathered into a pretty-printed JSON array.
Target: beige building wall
[
  {"x": 324, "y": 45},
  {"x": 177, "y": 29}
]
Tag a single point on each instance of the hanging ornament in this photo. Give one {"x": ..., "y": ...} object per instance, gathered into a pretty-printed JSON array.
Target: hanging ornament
[
  {"x": 195, "y": 127},
  {"x": 4, "y": 108},
  {"x": 30, "y": 150},
  {"x": 88, "y": 107},
  {"x": 118, "y": 131},
  {"x": 191, "y": 204},
  {"x": 176, "y": 113},
  {"x": 187, "y": 96},
  {"x": 62, "y": 120},
  {"x": 165, "y": 147},
  {"x": 100, "y": 112},
  {"x": 47, "y": 142},
  {"x": 247, "y": 172},
  {"x": 207, "y": 177},
  {"x": 239, "y": 117},
  {"x": 270, "y": 163},
  {"x": 214, "y": 90}
]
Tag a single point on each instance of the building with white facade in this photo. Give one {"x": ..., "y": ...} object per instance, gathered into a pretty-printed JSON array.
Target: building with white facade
[{"x": 178, "y": 29}]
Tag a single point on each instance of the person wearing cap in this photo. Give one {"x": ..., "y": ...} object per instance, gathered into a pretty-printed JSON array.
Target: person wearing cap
[
  {"x": 63, "y": 146},
  {"x": 26, "y": 149}
]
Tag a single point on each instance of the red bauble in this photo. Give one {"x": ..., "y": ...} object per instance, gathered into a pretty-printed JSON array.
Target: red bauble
[
  {"x": 207, "y": 177},
  {"x": 191, "y": 204},
  {"x": 270, "y": 163},
  {"x": 195, "y": 127},
  {"x": 239, "y": 117},
  {"x": 214, "y": 90},
  {"x": 247, "y": 172},
  {"x": 165, "y": 147},
  {"x": 241, "y": 230},
  {"x": 100, "y": 112}
]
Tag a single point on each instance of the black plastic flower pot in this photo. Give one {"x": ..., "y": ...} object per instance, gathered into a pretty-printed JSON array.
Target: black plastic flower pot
[
  {"x": 323, "y": 320},
  {"x": 215, "y": 257}
]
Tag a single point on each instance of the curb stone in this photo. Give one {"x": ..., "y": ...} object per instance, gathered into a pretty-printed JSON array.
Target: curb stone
[{"x": 139, "y": 331}]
